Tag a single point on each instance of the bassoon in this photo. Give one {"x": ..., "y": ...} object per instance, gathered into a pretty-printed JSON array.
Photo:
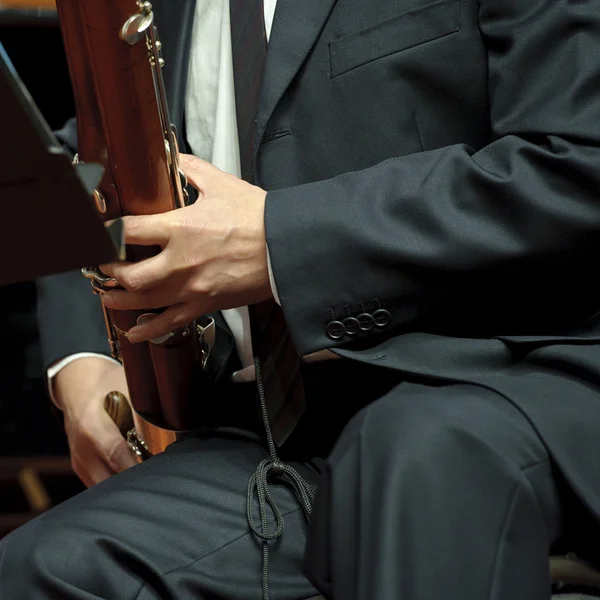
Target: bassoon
[{"x": 115, "y": 64}]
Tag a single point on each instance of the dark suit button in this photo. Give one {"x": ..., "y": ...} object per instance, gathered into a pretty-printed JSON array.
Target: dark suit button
[
  {"x": 366, "y": 321},
  {"x": 336, "y": 330},
  {"x": 382, "y": 317},
  {"x": 351, "y": 325}
]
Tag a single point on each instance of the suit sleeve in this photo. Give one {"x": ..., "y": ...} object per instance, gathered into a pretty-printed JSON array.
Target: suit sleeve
[
  {"x": 418, "y": 232},
  {"x": 69, "y": 315}
]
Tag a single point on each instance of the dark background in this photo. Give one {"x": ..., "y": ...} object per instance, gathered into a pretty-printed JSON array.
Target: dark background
[{"x": 28, "y": 424}]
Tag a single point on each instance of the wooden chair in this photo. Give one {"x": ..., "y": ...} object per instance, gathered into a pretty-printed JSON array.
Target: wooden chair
[
  {"x": 28, "y": 4},
  {"x": 569, "y": 570},
  {"x": 31, "y": 485}
]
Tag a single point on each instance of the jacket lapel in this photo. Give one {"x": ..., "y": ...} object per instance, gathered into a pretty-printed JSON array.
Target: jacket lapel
[{"x": 296, "y": 27}]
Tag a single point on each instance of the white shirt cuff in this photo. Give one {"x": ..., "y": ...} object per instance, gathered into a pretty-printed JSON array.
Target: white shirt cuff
[
  {"x": 272, "y": 278},
  {"x": 53, "y": 370}
]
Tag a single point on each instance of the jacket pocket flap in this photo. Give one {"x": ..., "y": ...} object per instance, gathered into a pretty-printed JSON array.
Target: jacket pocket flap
[{"x": 404, "y": 31}]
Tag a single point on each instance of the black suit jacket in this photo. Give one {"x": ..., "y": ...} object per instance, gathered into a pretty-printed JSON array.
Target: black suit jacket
[{"x": 441, "y": 160}]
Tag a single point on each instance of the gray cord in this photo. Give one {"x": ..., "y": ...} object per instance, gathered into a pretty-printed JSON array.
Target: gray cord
[{"x": 272, "y": 469}]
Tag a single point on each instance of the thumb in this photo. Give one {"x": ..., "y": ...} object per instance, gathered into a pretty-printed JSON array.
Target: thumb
[
  {"x": 121, "y": 457},
  {"x": 113, "y": 447},
  {"x": 196, "y": 170}
]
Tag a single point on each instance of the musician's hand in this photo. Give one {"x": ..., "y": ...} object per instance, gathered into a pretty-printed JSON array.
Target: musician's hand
[
  {"x": 98, "y": 450},
  {"x": 213, "y": 254}
]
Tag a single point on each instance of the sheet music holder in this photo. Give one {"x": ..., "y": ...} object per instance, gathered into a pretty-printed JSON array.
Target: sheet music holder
[{"x": 48, "y": 221}]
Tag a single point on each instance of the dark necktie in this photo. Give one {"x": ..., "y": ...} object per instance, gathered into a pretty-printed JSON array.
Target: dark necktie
[
  {"x": 279, "y": 367},
  {"x": 249, "y": 47},
  {"x": 280, "y": 389}
]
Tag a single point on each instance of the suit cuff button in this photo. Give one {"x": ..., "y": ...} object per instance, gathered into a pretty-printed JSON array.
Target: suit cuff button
[
  {"x": 366, "y": 321},
  {"x": 382, "y": 318},
  {"x": 351, "y": 325},
  {"x": 336, "y": 330}
]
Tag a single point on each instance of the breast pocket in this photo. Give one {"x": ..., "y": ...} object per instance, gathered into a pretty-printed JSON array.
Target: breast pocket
[{"x": 407, "y": 30}]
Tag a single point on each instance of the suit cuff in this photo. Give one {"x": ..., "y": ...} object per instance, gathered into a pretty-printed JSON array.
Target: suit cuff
[
  {"x": 272, "y": 278},
  {"x": 54, "y": 369}
]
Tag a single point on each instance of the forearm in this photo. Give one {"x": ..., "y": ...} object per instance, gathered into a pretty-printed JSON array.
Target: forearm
[{"x": 60, "y": 366}]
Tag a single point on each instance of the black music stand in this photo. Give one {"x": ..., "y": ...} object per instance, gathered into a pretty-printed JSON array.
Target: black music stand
[{"x": 48, "y": 221}]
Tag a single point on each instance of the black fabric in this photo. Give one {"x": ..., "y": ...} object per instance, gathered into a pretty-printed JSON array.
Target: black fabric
[
  {"x": 440, "y": 159},
  {"x": 430, "y": 492},
  {"x": 447, "y": 493},
  {"x": 70, "y": 317},
  {"x": 172, "y": 528},
  {"x": 279, "y": 365},
  {"x": 174, "y": 21}
]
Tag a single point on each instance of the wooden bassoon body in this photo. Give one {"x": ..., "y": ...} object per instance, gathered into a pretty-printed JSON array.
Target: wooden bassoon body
[{"x": 113, "y": 52}]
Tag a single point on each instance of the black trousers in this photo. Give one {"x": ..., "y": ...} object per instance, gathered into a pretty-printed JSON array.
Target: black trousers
[{"x": 430, "y": 492}]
